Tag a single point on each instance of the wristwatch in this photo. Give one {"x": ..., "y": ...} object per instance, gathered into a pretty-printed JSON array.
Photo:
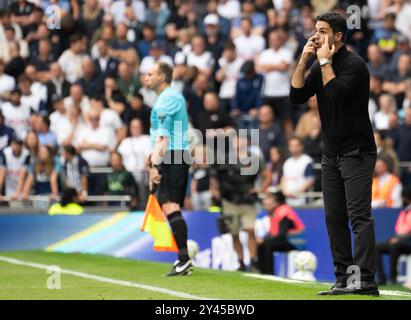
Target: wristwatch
[{"x": 324, "y": 61}]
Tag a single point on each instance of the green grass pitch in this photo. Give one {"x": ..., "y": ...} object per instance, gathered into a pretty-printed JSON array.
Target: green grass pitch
[{"x": 26, "y": 282}]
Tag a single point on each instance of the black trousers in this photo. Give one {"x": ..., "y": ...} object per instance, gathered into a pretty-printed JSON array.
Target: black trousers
[
  {"x": 266, "y": 249},
  {"x": 394, "y": 250},
  {"x": 346, "y": 183}
]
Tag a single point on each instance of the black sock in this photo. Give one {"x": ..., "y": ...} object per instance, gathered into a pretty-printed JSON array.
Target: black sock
[{"x": 179, "y": 227}]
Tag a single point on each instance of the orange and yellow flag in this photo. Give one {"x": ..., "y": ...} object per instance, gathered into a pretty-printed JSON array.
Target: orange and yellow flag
[{"x": 155, "y": 223}]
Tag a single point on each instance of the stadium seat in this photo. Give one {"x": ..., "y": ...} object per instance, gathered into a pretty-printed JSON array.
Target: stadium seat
[{"x": 404, "y": 263}]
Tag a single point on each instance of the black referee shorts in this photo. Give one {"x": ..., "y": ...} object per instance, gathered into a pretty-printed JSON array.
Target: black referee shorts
[{"x": 174, "y": 177}]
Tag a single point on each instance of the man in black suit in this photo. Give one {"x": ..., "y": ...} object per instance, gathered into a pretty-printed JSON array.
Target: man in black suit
[
  {"x": 57, "y": 86},
  {"x": 341, "y": 81},
  {"x": 104, "y": 64}
]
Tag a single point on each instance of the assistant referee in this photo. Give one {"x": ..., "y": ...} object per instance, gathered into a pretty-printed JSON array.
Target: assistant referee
[
  {"x": 169, "y": 159},
  {"x": 341, "y": 81}
]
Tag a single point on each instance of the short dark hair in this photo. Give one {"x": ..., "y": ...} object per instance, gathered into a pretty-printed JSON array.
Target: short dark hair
[
  {"x": 336, "y": 21},
  {"x": 230, "y": 45},
  {"x": 69, "y": 195},
  {"x": 167, "y": 70},
  {"x": 70, "y": 149},
  {"x": 74, "y": 38},
  {"x": 247, "y": 19},
  {"x": 278, "y": 195},
  {"x": 46, "y": 120}
]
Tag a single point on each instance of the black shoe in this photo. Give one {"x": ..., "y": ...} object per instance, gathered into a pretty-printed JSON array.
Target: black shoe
[
  {"x": 241, "y": 267},
  {"x": 337, "y": 285},
  {"x": 253, "y": 267},
  {"x": 183, "y": 268},
  {"x": 367, "y": 288}
]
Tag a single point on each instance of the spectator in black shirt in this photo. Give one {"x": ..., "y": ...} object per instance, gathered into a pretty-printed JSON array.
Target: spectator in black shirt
[
  {"x": 402, "y": 145},
  {"x": 91, "y": 82},
  {"x": 395, "y": 81},
  {"x": 7, "y": 134},
  {"x": 45, "y": 58},
  {"x": 56, "y": 86},
  {"x": 340, "y": 79},
  {"x": 138, "y": 110},
  {"x": 212, "y": 117},
  {"x": 194, "y": 94},
  {"x": 21, "y": 10},
  {"x": 213, "y": 39},
  {"x": 105, "y": 65},
  {"x": 121, "y": 182},
  {"x": 178, "y": 20},
  {"x": 74, "y": 171},
  {"x": 270, "y": 132}
]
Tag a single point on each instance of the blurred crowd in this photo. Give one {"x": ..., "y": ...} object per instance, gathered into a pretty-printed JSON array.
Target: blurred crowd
[{"x": 74, "y": 102}]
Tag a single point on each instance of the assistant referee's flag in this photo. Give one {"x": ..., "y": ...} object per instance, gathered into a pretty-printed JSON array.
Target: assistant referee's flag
[{"x": 156, "y": 224}]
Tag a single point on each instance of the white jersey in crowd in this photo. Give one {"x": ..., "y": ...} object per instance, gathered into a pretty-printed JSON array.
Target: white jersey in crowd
[
  {"x": 101, "y": 135},
  {"x": 16, "y": 117},
  {"x": 71, "y": 64},
  {"x": 110, "y": 119},
  {"x": 60, "y": 125},
  {"x": 7, "y": 83},
  {"x": 203, "y": 61},
  {"x": 149, "y": 61},
  {"x": 134, "y": 151},
  {"x": 232, "y": 73},
  {"x": 118, "y": 9},
  {"x": 248, "y": 48},
  {"x": 13, "y": 166},
  {"x": 277, "y": 83},
  {"x": 229, "y": 9},
  {"x": 296, "y": 172}
]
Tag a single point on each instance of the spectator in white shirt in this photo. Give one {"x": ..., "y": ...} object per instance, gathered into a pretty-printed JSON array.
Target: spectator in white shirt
[
  {"x": 109, "y": 118},
  {"x": 134, "y": 150},
  {"x": 387, "y": 107},
  {"x": 16, "y": 114},
  {"x": 72, "y": 59},
  {"x": 94, "y": 142},
  {"x": 28, "y": 97},
  {"x": 228, "y": 75},
  {"x": 229, "y": 8},
  {"x": 199, "y": 57},
  {"x": 156, "y": 55},
  {"x": 59, "y": 121},
  {"x": 120, "y": 9},
  {"x": 13, "y": 160},
  {"x": 37, "y": 87},
  {"x": 298, "y": 175},
  {"x": 275, "y": 64},
  {"x": 77, "y": 98},
  {"x": 7, "y": 82},
  {"x": 248, "y": 45}
]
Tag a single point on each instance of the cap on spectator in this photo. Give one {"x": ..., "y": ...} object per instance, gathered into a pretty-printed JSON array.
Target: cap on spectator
[
  {"x": 56, "y": 97},
  {"x": 211, "y": 19},
  {"x": 156, "y": 45}
]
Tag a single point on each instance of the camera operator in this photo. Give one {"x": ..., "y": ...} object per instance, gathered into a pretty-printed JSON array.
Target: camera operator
[{"x": 236, "y": 190}]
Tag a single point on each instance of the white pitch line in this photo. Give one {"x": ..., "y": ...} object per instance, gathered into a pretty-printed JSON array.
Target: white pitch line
[
  {"x": 285, "y": 280},
  {"x": 107, "y": 280}
]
